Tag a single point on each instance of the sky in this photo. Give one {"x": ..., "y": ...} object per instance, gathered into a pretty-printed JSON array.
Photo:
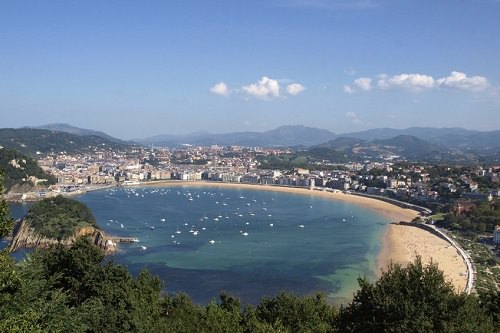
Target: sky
[{"x": 134, "y": 69}]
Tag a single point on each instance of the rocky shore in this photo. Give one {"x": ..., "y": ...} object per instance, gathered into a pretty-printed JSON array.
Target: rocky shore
[{"x": 25, "y": 237}]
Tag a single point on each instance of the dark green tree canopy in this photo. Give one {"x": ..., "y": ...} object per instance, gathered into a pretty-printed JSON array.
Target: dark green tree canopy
[{"x": 59, "y": 217}]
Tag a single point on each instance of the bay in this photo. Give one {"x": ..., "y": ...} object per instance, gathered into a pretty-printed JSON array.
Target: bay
[{"x": 245, "y": 242}]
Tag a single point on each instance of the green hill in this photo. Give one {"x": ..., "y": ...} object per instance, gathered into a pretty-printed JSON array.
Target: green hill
[
  {"x": 31, "y": 141},
  {"x": 59, "y": 217},
  {"x": 19, "y": 168}
]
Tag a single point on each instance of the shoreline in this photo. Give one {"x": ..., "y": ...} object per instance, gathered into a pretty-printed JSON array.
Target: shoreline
[{"x": 399, "y": 243}]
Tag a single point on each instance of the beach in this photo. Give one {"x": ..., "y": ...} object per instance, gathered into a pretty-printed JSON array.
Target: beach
[{"x": 399, "y": 244}]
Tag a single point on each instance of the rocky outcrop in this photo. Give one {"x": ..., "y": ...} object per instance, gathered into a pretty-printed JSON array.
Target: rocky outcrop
[{"x": 25, "y": 237}]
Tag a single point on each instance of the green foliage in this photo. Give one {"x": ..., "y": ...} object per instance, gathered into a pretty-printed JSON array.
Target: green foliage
[
  {"x": 73, "y": 290},
  {"x": 59, "y": 217},
  {"x": 19, "y": 174},
  {"x": 30, "y": 141},
  {"x": 306, "y": 314},
  {"x": 5, "y": 219},
  {"x": 415, "y": 298},
  {"x": 483, "y": 217}
]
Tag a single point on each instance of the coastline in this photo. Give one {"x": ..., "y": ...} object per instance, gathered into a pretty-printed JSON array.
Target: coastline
[{"x": 399, "y": 243}]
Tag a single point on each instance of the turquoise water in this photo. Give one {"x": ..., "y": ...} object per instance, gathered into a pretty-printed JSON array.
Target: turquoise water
[{"x": 248, "y": 243}]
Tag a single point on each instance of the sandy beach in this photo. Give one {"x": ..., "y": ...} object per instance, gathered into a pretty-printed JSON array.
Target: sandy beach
[{"x": 400, "y": 244}]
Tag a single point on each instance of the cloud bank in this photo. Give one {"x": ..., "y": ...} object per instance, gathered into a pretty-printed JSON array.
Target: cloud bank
[
  {"x": 264, "y": 89},
  {"x": 419, "y": 82}
]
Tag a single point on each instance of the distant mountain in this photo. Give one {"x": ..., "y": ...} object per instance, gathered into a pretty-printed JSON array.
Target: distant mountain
[
  {"x": 342, "y": 144},
  {"x": 411, "y": 148},
  {"x": 407, "y": 147},
  {"x": 455, "y": 139},
  {"x": 284, "y": 136},
  {"x": 424, "y": 133},
  {"x": 30, "y": 141},
  {"x": 66, "y": 128}
]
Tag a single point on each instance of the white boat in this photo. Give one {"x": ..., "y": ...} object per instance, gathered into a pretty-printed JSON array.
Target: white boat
[
  {"x": 245, "y": 234},
  {"x": 301, "y": 226},
  {"x": 212, "y": 242},
  {"x": 163, "y": 220},
  {"x": 152, "y": 228},
  {"x": 143, "y": 247},
  {"x": 271, "y": 225}
]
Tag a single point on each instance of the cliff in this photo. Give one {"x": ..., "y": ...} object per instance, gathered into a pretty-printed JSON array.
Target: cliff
[{"x": 26, "y": 237}]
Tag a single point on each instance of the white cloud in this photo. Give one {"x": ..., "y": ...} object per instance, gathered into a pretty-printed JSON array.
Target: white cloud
[
  {"x": 460, "y": 80},
  {"x": 353, "y": 117},
  {"x": 349, "y": 90},
  {"x": 413, "y": 82},
  {"x": 419, "y": 82},
  {"x": 295, "y": 89},
  {"x": 363, "y": 83},
  {"x": 265, "y": 88},
  {"x": 220, "y": 89}
]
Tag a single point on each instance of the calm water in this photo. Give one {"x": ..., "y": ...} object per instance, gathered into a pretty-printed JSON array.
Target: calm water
[{"x": 249, "y": 243}]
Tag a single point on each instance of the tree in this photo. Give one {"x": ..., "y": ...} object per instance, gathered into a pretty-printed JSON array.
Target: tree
[
  {"x": 415, "y": 298},
  {"x": 5, "y": 219}
]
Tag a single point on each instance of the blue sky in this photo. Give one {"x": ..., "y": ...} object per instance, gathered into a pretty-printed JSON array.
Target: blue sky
[{"x": 140, "y": 68}]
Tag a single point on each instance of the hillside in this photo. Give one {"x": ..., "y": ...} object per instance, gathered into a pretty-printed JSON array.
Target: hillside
[
  {"x": 402, "y": 146},
  {"x": 57, "y": 220},
  {"x": 66, "y": 128},
  {"x": 20, "y": 168},
  {"x": 31, "y": 141}
]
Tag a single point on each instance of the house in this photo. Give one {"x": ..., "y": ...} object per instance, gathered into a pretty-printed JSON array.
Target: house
[{"x": 463, "y": 207}]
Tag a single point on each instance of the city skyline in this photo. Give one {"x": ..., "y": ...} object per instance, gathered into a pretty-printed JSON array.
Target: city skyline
[{"x": 135, "y": 70}]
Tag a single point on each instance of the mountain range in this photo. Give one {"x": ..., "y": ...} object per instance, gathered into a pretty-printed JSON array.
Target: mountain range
[{"x": 415, "y": 143}]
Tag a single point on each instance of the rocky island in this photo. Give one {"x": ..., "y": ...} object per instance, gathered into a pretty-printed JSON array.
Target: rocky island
[{"x": 59, "y": 220}]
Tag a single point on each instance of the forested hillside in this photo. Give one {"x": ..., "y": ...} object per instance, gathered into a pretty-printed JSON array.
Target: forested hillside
[{"x": 19, "y": 168}]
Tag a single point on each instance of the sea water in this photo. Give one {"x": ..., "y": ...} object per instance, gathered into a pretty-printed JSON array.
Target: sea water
[{"x": 245, "y": 242}]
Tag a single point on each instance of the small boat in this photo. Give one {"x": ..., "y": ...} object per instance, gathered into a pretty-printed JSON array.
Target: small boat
[
  {"x": 152, "y": 228},
  {"x": 163, "y": 220},
  {"x": 143, "y": 247},
  {"x": 245, "y": 234},
  {"x": 301, "y": 226},
  {"x": 271, "y": 225},
  {"x": 195, "y": 233},
  {"x": 212, "y": 242}
]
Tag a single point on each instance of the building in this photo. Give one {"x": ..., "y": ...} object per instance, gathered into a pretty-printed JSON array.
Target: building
[{"x": 496, "y": 235}]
